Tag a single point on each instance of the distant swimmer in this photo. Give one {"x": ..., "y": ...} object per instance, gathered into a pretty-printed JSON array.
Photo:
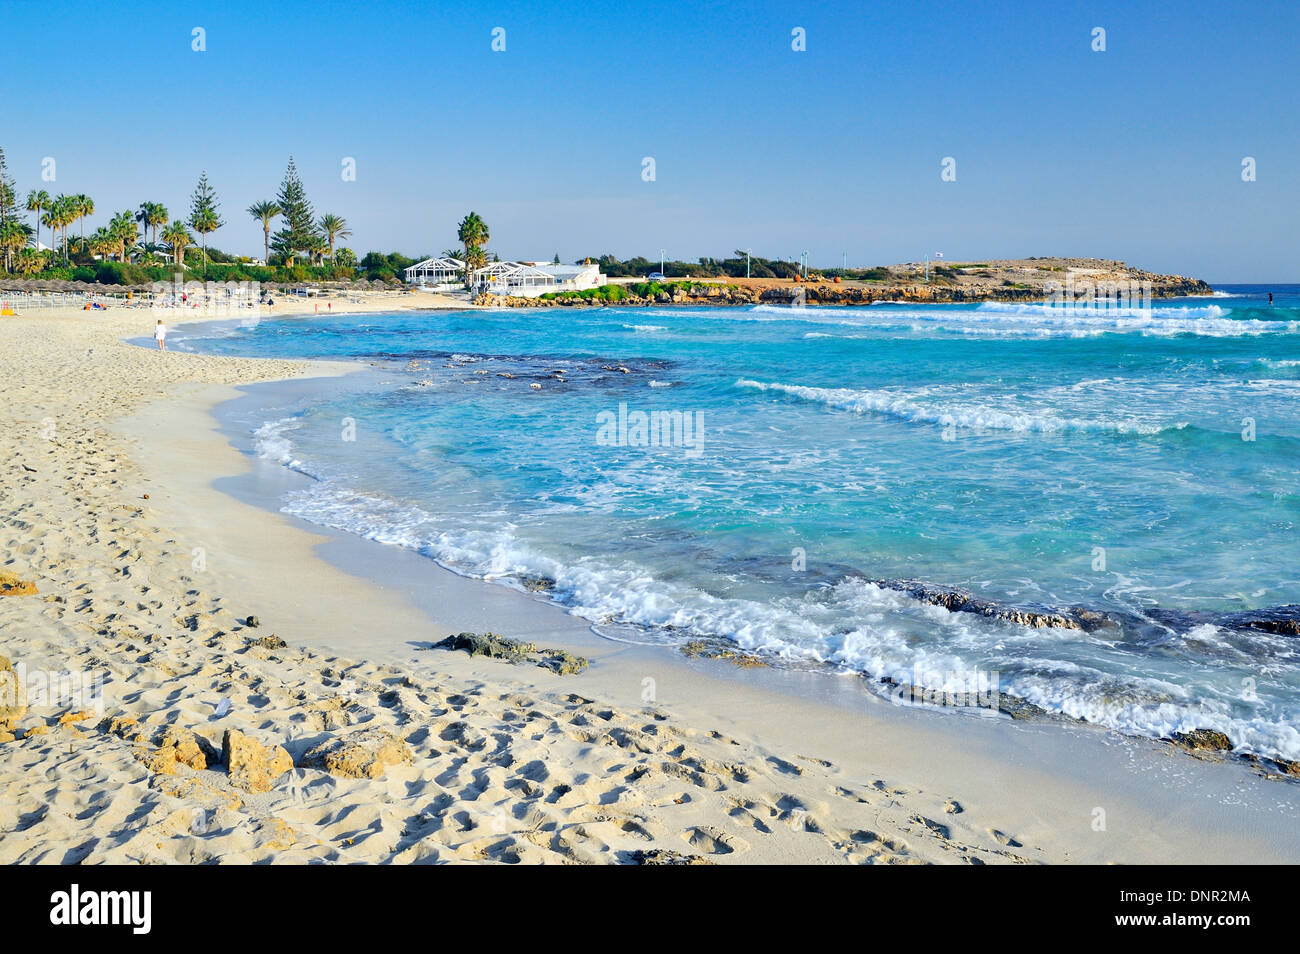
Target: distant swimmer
[{"x": 1270, "y": 298}]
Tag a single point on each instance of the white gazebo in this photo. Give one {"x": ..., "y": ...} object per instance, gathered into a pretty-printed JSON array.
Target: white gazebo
[
  {"x": 514, "y": 278},
  {"x": 520, "y": 279},
  {"x": 436, "y": 272}
]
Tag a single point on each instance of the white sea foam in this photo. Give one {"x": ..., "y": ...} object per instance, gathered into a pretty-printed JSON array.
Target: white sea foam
[
  {"x": 1288, "y": 383},
  {"x": 1013, "y": 320},
  {"x": 271, "y": 440},
  {"x": 913, "y": 407},
  {"x": 1027, "y": 309},
  {"x": 853, "y": 624}
]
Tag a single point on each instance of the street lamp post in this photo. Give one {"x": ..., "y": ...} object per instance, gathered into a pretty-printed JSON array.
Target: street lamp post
[
  {"x": 661, "y": 262},
  {"x": 747, "y": 251}
]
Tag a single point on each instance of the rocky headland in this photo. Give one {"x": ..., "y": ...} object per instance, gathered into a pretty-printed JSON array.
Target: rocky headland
[{"x": 1031, "y": 279}]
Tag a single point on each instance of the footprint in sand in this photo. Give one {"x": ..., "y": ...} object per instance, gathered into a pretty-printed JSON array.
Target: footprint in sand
[
  {"x": 746, "y": 812},
  {"x": 932, "y": 826},
  {"x": 1004, "y": 839},
  {"x": 714, "y": 840}
]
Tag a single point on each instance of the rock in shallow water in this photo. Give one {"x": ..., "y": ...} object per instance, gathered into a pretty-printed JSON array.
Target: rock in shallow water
[
  {"x": 1203, "y": 739},
  {"x": 957, "y": 600},
  {"x": 719, "y": 649}
]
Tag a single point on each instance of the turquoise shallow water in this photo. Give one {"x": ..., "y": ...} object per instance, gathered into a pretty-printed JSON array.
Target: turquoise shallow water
[{"x": 1140, "y": 463}]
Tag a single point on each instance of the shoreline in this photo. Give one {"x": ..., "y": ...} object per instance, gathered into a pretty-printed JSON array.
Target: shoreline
[
  {"x": 1036, "y": 786},
  {"x": 263, "y": 486},
  {"x": 777, "y": 711}
]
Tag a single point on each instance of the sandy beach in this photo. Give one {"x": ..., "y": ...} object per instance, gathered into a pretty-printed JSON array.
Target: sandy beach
[{"x": 330, "y": 731}]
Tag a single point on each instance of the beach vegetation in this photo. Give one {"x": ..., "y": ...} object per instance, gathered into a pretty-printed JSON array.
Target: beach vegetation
[
  {"x": 177, "y": 238},
  {"x": 264, "y": 211},
  {"x": 734, "y": 266},
  {"x": 334, "y": 227},
  {"x": 37, "y": 200},
  {"x": 30, "y": 261},
  {"x": 9, "y": 210},
  {"x": 204, "y": 217},
  {"x": 298, "y": 236},
  {"x": 123, "y": 232},
  {"x": 602, "y": 293},
  {"x": 151, "y": 215},
  {"x": 14, "y": 236},
  {"x": 473, "y": 234}
]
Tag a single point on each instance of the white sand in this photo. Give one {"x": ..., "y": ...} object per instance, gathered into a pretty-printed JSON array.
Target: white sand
[{"x": 507, "y": 762}]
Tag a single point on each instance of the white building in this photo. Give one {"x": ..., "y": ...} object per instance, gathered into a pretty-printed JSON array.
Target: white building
[
  {"x": 440, "y": 274},
  {"x": 520, "y": 279}
]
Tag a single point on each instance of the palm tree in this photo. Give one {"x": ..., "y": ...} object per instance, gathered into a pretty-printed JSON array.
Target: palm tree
[
  {"x": 71, "y": 213},
  {"x": 473, "y": 234},
  {"x": 14, "y": 235},
  {"x": 60, "y": 212},
  {"x": 316, "y": 249},
  {"x": 102, "y": 243},
  {"x": 51, "y": 221},
  {"x": 85, "y": 208},
  {"x": 53, "y": 218},
  {"x": 30, "y": 261},
  {"x": 265, "y": 210},
  {"x": 177, "y": 236},
  {"x": 65, "y": 211},
  {"x": 334, "y": 227},
  {"x": 145, "y": 251},
  {"x": 203, "y": 222},
  {"x": 77, "y": 248},
  {"x": 152, "y": 215},
  {"x": 122, "y": 229},
  {"x": 36, "y": 201}
]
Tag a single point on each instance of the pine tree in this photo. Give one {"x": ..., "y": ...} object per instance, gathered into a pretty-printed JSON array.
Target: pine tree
[
  {"x": 9, "y": 211},
  {"x": 299, "y": 232},
  {"x": 203, "y": 215}
]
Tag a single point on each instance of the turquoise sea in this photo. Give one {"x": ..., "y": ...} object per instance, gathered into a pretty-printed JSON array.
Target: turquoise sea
[{"x": 1141, "y": 464}]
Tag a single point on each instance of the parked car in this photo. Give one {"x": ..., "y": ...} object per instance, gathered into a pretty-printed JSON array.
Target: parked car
[{"x": 655, "y": 277}]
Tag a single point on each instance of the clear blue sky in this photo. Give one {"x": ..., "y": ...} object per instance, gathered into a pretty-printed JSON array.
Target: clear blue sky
[{"x": 1134, "y": 153}]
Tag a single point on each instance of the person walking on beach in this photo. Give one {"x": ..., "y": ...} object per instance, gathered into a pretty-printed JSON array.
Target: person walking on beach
[{"x": 160, "y": 335}]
